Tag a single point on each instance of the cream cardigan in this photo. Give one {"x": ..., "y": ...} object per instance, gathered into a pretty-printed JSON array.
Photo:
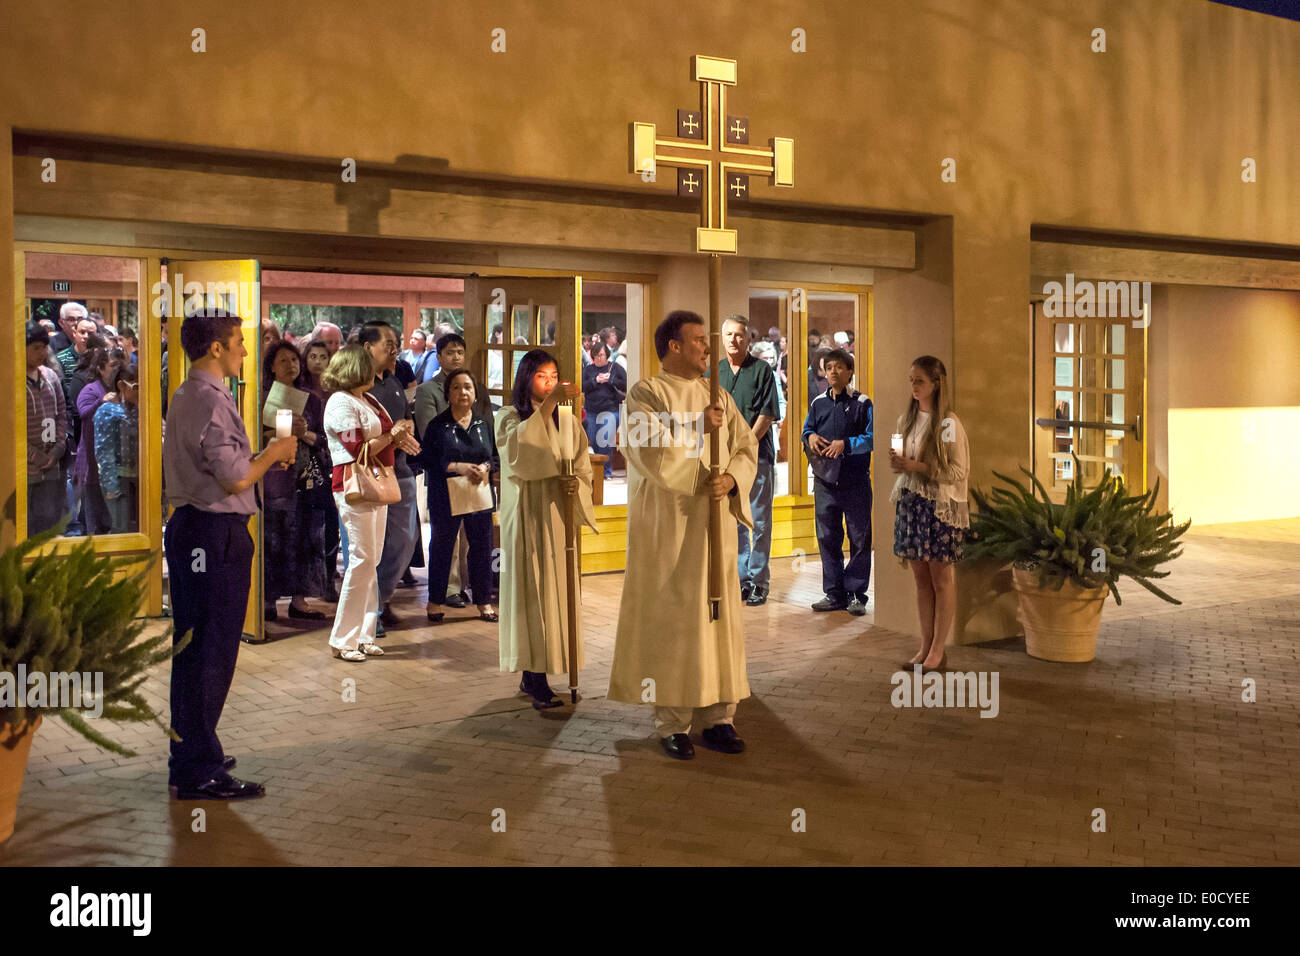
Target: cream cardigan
[{"x": 947, "y": 489}]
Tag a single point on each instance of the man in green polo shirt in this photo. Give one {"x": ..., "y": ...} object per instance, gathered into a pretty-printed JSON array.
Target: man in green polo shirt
[{"x": 753, "y": 386}]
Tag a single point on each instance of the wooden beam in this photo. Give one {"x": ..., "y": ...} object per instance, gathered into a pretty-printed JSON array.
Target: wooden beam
[
  {"x": 257, "y": 202},
  {"x": 1123, "y": 264}
]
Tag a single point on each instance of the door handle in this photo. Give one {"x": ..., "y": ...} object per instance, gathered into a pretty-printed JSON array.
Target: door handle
[{"x": 1134, "y": 427}]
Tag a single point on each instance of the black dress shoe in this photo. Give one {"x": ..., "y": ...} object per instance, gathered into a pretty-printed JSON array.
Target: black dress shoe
[
  {"x": 539, "y": 688},
  {"x": 857, "y": 608},
  {"x": 829, "y": 604},
  {"x": 228, "y": 764},
  {"x": 456, "y": 600},
  {"x": 679, "y": 746},
  {"x": 722, "y": 737},
  {"x": 307, "y": 615},
  {"x": 221, "y": 787},
  {"x": 388, "y": 618},
  {"x": 746, "y": 590},
  {"x": 757, "y": 596}
]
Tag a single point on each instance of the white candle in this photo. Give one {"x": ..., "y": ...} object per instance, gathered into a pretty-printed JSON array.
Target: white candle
[
  {"x": 896, "y": 443},
  {"x": 283, "y": 423},
  {"x": 566, "y": 432}
]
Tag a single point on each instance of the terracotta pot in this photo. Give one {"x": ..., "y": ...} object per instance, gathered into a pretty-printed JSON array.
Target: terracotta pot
[
  {"x": 15, "y": 747},
  {"x": 1059, "y": 625}
]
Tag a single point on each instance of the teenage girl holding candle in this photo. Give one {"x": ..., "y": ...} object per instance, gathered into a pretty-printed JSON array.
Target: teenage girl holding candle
[
  {"x": 535, "y": 436},
  {"x": 931, "y": 514}
]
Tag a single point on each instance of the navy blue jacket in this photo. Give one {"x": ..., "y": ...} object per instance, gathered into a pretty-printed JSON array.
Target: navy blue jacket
[{"x": 848, "y": 416}]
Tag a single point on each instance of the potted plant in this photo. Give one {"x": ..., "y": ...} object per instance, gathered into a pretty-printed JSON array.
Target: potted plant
[
  {"x": 63, "y": 615},
  {"x": 1064, "y": 557}
]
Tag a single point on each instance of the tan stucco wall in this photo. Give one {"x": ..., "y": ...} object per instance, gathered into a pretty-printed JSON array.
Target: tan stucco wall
[{"x": 1145, "y": 138}]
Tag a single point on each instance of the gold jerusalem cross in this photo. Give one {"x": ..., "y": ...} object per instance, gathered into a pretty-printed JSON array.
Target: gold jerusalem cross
[{"x": 711, "y": 154}]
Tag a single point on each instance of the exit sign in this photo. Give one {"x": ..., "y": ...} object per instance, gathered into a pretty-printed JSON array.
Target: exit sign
[{"x": 64, "y": 285}]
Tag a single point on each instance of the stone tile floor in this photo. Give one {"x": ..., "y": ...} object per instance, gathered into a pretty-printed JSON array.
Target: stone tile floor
[{"x": 438, "y": 743}]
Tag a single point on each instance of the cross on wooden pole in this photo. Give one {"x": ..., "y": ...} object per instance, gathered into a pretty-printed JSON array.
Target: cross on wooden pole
[{"x": 717, "y": 145}]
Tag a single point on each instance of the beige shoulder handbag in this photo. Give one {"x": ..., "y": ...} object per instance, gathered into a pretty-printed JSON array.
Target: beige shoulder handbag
[{"x": 368, "y": 480}]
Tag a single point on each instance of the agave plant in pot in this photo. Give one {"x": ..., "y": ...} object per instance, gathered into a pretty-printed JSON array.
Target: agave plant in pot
[
  {"x": 71, "y": 646},
  {"x": 1066, "y": 557}
]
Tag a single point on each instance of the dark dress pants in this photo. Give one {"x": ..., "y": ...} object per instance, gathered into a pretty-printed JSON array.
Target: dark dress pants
[
  {"x": 442, "y": 548},
  {"x": 209, "y": 565},
  {"x": 840, "y": 507}
]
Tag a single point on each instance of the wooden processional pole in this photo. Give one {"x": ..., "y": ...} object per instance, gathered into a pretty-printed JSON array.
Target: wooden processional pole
[
  {"x": 715, "y": 470},
  {"x": 714, "y": 160}
]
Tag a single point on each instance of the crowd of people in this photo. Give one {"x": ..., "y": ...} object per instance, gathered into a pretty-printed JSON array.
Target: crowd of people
[
  {"x": 361, "y": 443},
  {"x": 82, "y": 424}
]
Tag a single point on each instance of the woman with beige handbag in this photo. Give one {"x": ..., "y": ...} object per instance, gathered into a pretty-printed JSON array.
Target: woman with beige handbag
[{"x": 361, "y": 440}]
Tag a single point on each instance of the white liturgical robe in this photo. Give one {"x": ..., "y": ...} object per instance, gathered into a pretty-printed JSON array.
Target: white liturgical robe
[
  {"x": 664, "y": 631},
  {"x": 534, "y": 590}
]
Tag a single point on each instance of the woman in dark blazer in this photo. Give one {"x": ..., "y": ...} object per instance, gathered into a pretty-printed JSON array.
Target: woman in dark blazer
[{"x": 459, "y": 444}]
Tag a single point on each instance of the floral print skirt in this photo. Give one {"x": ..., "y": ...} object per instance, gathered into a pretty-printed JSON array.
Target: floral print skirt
[{"x": 920, "y": 536}]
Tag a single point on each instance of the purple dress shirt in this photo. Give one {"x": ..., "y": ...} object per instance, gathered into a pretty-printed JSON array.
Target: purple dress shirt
[{"x": 206, "y": 445}]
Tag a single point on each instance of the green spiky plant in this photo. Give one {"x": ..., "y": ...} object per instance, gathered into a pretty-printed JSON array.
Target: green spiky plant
[
  {"x": 1021, "y": 524},
  {"x": 76, "y": 612}
]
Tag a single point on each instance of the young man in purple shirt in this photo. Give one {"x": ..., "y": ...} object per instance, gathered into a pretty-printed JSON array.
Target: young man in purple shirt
[{"x": 211, "y": 475}]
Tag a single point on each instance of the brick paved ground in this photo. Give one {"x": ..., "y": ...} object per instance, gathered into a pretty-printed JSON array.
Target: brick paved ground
[{"x": 1154, "y": 732}]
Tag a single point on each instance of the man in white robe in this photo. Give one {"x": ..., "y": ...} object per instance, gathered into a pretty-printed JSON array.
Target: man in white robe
[{"x": 667, "y": 652}]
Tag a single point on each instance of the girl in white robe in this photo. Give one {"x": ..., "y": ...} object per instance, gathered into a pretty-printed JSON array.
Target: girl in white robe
[{"x": 534, "y": 500}]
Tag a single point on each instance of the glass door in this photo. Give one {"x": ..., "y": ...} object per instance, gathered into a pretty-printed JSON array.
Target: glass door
[
  {"x": 1089, "y": 381},
  {"x": 506, "y": 317},
  {"x": 235, "y": 286}
]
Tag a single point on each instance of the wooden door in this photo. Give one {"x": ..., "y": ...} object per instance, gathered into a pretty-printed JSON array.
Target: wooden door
[
  {"x": 506, "y": 317},
  {"x": 1089, "y": 399},
  {"x": 235, "y": 286}
]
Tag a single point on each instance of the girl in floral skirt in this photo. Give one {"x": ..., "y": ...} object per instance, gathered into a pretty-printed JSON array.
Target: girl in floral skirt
[{"x": 931, "y": 515}]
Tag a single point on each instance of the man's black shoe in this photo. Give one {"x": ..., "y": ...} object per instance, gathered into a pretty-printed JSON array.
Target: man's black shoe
[
  {"x": 757, "y": 596},
  {"x": 221, "y": 787},
  {"x": 746, "y": 590},
  {"x": 722, "y": 737},
  {"x": 388, "y": 618},
  {"x": 228, "y": 764},
  {"x": 307, "y": 615},
  {"x": 407, "y": 580},
  {"x": 679, "y": 746},
  {"x": 456, "y": 600},
  {"x": 829, "y": 604},
  {"x": 857, "y": 608}
]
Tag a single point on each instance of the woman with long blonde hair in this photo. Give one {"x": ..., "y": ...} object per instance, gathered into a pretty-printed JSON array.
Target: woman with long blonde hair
[{"x": 931, "y": 513}]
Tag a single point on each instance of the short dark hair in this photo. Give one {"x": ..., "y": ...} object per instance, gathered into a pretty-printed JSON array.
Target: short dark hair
[
  {"x": 842, "y": 356},
  {"x": 597, "y": 347},
  {"x": 372, "y": 331},
  {"x": 204, "y": 327},
  {"x": 670, "y": 329},
  {"x": 450, "y": 338},
  {"x": 522, "y": 394},
  {"x": 37, "y": 333},
  {"x": 446, "y": 384}
]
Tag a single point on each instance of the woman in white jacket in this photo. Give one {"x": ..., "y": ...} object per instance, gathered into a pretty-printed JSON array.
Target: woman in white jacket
[{"x": 353, "y": 419}]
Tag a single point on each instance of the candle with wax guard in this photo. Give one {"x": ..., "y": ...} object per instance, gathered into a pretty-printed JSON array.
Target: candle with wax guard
[{"x": 566, "y": 432}]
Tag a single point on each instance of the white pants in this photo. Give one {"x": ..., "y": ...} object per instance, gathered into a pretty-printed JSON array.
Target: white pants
[
  {"x": 358, "y": 607},
  {"x": 678, "y": 720}
]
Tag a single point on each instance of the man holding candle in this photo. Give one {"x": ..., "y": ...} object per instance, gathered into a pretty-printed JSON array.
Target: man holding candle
[{"x": 837, "y": 437}]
